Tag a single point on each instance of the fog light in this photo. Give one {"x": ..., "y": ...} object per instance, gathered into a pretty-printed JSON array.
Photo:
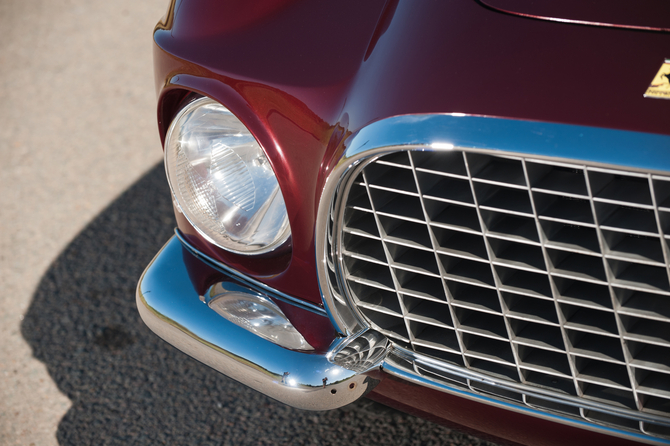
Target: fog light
[
  {"x": 255, "y": 313},
  {"x": 223, "y": 182}
]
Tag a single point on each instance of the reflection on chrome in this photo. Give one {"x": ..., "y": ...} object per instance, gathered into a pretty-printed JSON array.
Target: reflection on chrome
[
  {"x": 251, "y": 311},
  {"x": 362, "y": 353},
  {"x": 170, "y": 306}
]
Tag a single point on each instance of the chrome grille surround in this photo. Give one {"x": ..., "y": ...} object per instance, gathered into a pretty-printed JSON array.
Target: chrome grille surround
[{"x": 512, "y": 274}]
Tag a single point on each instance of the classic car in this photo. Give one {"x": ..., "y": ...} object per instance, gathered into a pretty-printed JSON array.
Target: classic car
[{"x": 460, "y": 209}]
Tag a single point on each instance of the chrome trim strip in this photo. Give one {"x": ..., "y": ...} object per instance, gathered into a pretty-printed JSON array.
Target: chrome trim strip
[
  {"x": 595, "y": 146},
  {"x": 248, "y": 280},
  {"x": 446, "y": 370},
  {"x": 170, "y": 306},
  {"x": 394, "y": 368}
]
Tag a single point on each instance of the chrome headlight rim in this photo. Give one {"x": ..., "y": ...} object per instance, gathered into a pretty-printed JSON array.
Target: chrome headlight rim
[{"x": 281, "y": 241}]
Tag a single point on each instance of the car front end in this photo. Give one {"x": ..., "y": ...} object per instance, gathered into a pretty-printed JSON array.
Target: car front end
[{"x": 454, "y": 210}]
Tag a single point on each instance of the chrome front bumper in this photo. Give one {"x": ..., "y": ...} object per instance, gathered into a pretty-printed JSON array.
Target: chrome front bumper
[{"x": 171, "y": 307}]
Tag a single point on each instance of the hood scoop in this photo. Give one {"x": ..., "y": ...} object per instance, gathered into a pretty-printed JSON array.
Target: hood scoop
[{"x": 648, "y": 15}]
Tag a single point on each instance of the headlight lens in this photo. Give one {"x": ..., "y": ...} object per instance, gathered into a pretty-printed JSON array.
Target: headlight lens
[{"x": 222, "y": 180}]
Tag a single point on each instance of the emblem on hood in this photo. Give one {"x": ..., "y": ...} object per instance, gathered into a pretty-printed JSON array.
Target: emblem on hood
[{"x": 660, "y": 86}]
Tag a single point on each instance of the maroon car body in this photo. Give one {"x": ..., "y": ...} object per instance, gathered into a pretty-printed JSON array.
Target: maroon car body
[{"x": 304, "y": 76}]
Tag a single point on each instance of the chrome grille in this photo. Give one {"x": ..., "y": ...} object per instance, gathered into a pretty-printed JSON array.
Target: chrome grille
[{"x": 549, "y": 274}]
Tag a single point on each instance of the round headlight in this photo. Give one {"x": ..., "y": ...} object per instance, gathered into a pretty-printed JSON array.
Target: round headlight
[{"x": 223, "y": 182}]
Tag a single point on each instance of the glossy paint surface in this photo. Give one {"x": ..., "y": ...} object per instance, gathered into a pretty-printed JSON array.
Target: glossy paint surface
[
  {"x": 304, "y": 75},
  {"x": 640, "y": 14}
]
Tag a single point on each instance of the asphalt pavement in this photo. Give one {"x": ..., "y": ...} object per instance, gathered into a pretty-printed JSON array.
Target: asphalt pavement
[{"x": 84, "y": 207}]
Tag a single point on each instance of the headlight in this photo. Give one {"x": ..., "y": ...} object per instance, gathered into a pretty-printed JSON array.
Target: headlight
[{"x": 222, "y": 181}]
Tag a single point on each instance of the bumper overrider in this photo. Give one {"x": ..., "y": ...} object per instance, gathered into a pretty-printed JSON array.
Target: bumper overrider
[{"x": 171, "y": 307}]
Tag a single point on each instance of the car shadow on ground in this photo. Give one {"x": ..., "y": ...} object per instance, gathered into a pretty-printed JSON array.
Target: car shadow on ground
[{"x": 129, "y": 387}]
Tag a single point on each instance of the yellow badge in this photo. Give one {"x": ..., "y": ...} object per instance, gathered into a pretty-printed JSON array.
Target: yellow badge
[{"x": 660, "y": 86}]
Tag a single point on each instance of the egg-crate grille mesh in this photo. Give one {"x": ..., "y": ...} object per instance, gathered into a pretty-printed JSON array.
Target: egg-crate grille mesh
[{"x": 554, "y": 275}]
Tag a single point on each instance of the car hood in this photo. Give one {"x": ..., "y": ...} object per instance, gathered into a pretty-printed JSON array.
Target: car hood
[{"x": 364, "y": 61}]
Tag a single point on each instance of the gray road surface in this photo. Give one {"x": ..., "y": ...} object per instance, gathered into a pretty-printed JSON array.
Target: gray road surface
[{"x": 84, "y": 206}]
